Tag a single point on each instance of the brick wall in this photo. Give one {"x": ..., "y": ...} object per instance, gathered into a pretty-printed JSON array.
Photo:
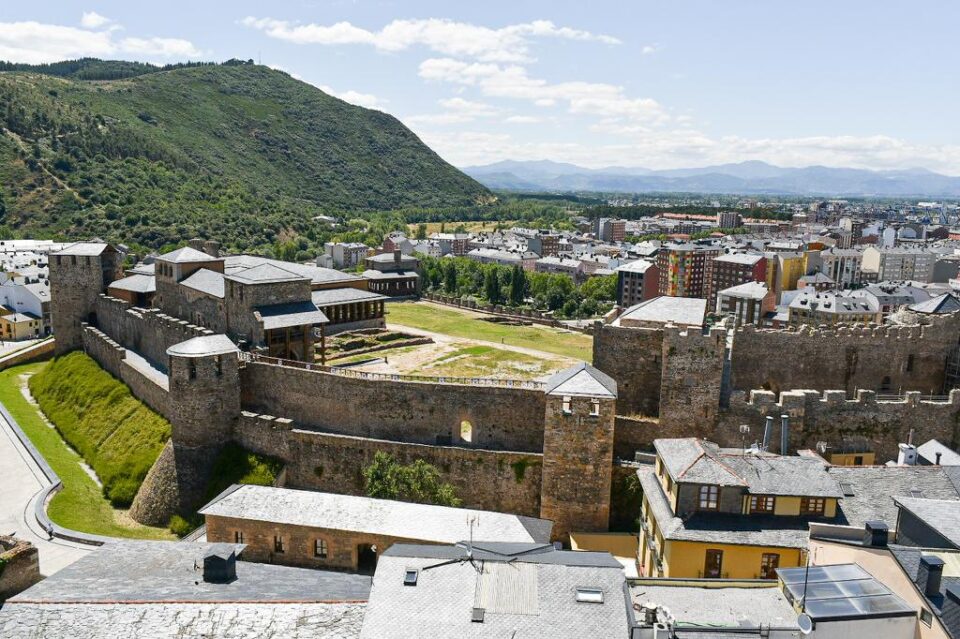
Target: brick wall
[{"x": 419, "y": 412}]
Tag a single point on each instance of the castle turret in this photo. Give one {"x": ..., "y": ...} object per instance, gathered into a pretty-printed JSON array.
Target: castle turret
[
  {"x": 578, "y": 450},
  {"x": 78, "y": 275},
  {"x": 204, "y": 379}
]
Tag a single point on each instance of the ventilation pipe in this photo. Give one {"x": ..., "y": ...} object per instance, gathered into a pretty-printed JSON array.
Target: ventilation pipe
[
  {"x": 784, "y": 434},
  {"x": 767, "y": 433}
]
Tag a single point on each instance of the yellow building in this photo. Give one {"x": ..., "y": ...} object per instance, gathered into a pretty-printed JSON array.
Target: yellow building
[
  {"x": 17, "y": 326},
  {"x": 724, "y": 513}
]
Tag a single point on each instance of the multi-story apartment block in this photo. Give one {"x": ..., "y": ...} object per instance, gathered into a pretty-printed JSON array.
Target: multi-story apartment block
[
  {"x": 843, "y": 266},
  {"x": 733, "y": 269},
  {"x": 686, "y": 269},
  {"x": 610, "y": 230},
  {"x": 544, "y": 243},
  {"x": 729, "y": 513},
  {"x": 729, "y": 220},
  {"x": 815, "y": 308},
  {"x": 455, "y": 243},
  {"x": 899, "y": 263},
  {"x": 747, "y": 303},
  {"x": 346, "y": 254},
  {"x": 784, "y": 269},
  {"x": 637, "y": 282},
  {"x": 525, "y": 260}
]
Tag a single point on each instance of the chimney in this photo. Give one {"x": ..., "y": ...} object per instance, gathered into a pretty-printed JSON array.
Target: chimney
[
  {"x": 396, "y": 257},
  {"x": 784, "y": 434},
  {"x": 929, "y": 574},
  {"x": 875, "y": 534},
  {"x": 212, "y": 248},
  {"x": 937, "y": 462},
  {"x": 767, "y": 432},
  {"x": 220, "y": 565},
  {"x": 907, "y": 455}
]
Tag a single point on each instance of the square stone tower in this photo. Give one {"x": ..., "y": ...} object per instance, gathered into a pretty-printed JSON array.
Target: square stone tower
[
  {"x": 78, "y": 274},
  {"x": 578, "y": 450}
]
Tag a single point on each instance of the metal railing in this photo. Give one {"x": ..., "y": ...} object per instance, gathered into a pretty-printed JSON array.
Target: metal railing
[{"x": 392, "y": 377}]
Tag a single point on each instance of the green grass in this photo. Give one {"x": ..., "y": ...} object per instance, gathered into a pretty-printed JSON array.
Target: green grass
[
  {"x": 80, "y": 505},
  {"x": 237, "y": 465},
  {"x": 117, "y": 434},
  {"x": 468, "y": 325},
  {"x": 487, "y": 361}
]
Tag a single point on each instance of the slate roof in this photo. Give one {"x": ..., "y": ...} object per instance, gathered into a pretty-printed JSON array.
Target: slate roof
[
  {"x": 684, "y": 311},
  {"x": 942, "y": 515},
  {"x": 747, "y": 290},
  {"x": 205, "y": 281},
  {"x": 84, "y": 248},
  {"x": 909, "y": 559},
  {"x": 203, "y": 346},
  {"x": 692, "y": 460},
  {"x": 928, "y": 451},
  {"x": 318, "y": 275},
  {"x": 755, "y": 530},
  {"x": 945, "y": 303},
  {"x": 143, "y": 269},
  {"x": 416, "y": 522},
  {"x": 188, "y": 255},
  {"x": 582, "y": 380},
  {"x": 523, "y": 594},
  {"x": 372, "y": 274},
  {"x": 334, "y": 296},
  {"x": 740, "y": 258},
  {"x": 874, "y": 488},
  {"x": 264, "y": 274},
  {"x": 290, "y": 314},
  {"x": 136, "y": 283}
]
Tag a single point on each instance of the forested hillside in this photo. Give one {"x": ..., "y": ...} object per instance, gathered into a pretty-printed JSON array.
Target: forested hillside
[{"x": 237, "y": 151}]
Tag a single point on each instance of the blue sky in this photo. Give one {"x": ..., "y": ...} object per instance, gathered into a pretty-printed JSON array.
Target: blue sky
[{"x": 654, "y": 84}]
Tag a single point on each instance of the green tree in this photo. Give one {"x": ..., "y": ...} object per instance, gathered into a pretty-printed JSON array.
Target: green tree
[
  {"x": 421, "y": 232},
  {"x": 518, "y": 286},
  {"x": 491, "y": 286},
  {"x": 418, "y": 482},
  {"x": 450, "y": 278}
]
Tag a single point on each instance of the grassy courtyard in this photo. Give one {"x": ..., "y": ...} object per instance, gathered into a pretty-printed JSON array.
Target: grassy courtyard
[
  {"x": 80, "y": 505},
  {"x": 469, "y": 325}
]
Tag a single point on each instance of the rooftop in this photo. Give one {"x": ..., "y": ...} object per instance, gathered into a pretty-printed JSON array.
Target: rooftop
[
  {"x": 290, "y": 314},
  {"x": 416, "y": 522},
  {"x": 264, "y": 274},
  {"x": 318, "y": 275},
  {"x": 84, "y": 248},
  {"x": 841, "y": 591},
  {"x": 748, "y": 259},
  {"x": 511, "y": 590},
  {"x": 942, "y": 515},
  {"x": 638, "y": 266},
  {"x": 203, "y": 346},
  {"x": 717, "y": 607},
  {"x": 136, "y": 283},
  {"x": 684, "y": 311},
  {"x": 188, "y": 255},
  {"x": 582, "y": 380},
  {"x": 205, "y": 281},
  {"x": 946, "y": 303},
  {"x": 909, "y": 560},
  {"x": 747, "y": 290},
  {"x": 333, "y": 296},
  {"x": 869, "y": 491},
  {"x": 929, "y": 450}
]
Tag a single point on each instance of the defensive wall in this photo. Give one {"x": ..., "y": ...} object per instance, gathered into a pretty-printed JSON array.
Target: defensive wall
[
  {"x": 633, "y": 357},
  {"x": 422, "y": 412}
]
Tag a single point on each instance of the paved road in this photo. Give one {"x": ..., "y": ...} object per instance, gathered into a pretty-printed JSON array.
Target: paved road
[{"x": 21, "y": 481}]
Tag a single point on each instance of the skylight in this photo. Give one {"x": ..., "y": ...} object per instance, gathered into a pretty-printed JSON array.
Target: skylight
[{"x": 589, "y": 595}]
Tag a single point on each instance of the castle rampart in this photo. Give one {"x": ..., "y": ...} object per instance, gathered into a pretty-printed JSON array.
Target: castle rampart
[{"x": 633, "y": 357}]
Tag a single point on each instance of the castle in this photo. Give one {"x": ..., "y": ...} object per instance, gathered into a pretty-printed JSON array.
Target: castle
[{"x": 225, "y": 352}]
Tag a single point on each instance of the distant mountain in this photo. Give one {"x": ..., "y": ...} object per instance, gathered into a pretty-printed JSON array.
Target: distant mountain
[
  {"x": 753, "y": 177},
  {"x": 239, "y": 152}
]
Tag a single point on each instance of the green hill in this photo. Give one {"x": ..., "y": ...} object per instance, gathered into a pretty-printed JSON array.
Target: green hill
[{"x": 236, "y": 151}]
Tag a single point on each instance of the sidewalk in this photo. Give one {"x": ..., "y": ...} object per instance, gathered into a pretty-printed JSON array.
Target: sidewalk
[{"x": 22, "y": 480}]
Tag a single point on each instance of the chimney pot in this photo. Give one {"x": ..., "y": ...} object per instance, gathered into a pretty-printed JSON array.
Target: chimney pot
[
  {"x": 929, "y": 574},
  {"x": 784, "y": 434},
  {"x": 875, "y": 534},
  {"x": 939, "y": 455}
]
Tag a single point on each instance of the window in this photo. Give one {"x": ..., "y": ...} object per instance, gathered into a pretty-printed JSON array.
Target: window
[
  {"x": 926, "y": 616},
  {"x": 709, "y": 497},
  {"x": 812, "y": 505},
  {"x": 320, "y": 548},
  {"x": 466, "y": 431},
  {"x": 219, "y": 365},
  {"x": 566, "y": 406},
  {"x": 761, "y": 504},
  {"x": 590, "y": 595},
  {"x": 769, "y": 563},
  {"x": 238, "y": 536},
  {"x": 713, "y": 564},
  {"x": 277, "y": 543},
  {"x": 909, "y": 363},
  {"x": 410, "y": 576},
  {"x": 192, "y": 369},
  {"x": 594, "y": 407}
]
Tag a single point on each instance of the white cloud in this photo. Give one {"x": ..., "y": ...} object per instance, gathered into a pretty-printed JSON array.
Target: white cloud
[
  {"x": 649, "y": 49},
  {"x": 367, "y": 100},
  {"x": 522, "y": 119},
  {"x": 93, "y": 20},
  {"x": 507, "y": 44},
  {"x": 37, "y": 43},
  {"x": 468, "y": 107},
  {"x": 163, "y": 47}
]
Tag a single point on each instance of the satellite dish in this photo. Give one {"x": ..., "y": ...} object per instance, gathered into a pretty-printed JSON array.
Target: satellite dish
[{"x": 806, "y": 623}]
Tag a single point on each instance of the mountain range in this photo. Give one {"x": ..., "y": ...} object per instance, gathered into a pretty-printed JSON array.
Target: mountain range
[{"x": 746, "y": 178}]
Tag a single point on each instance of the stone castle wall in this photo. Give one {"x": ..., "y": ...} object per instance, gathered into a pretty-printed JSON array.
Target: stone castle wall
[
  {"x": 633, "y": 357},
  {"x": 485, "y": 479},
  {"x": 911, "y": 358},
  {"x": 501, "y": 418},
  {"x": 146, "y": 331},
  {"x": 691, "y": 376}
]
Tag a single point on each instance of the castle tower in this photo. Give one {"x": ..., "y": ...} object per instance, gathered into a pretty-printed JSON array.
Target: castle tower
[
  {"x": 204, "y": 378},
  {"x": 578, "y": 450},
  {"x": 691, "y": 380},
  {"x": 78, "y": 274}
]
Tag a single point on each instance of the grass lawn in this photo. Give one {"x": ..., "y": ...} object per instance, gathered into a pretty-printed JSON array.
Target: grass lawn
[
  {"x": 80, "y": 505},
  {"x": 460, "y": 323},
  {"x": 487, "y": 361}
]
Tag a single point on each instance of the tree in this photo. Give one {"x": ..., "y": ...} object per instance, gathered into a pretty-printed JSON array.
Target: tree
[
  {"x": 491, "y": 286},
  {"x": 518, "y": 286},
  {"x": 418, "y": 482},
  {"x": 450, "y": 278},
  {"x": 421, "y": 232}
]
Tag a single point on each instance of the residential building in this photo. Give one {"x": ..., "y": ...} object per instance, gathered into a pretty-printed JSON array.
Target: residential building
[
  {"x": 890, "y": 296},
  {"x": 497, "y": 591},
  {"x": 749, "y": 303},
  {"x": 784, "y": 270},
  {"x": 659, "y": 311},
  {"x": 686, "y": 269},
  {"x": 346, "y": 255},
  {"x": 899, "y": 263},
  {"x": 732, "y": 269},
  {"x": 578, "y": 270},
  {"x": 393, "y": 274},
  {"x": 928, "y": 523},
  {"x": 526, "y": 260},
  {"x": 169, "y": 590},
  {"x": 452, "y": 243},
  {"x": 397, "y": 241},
  {"x": 637, "y": 282},
  {"x": 344, "y": 532},
  {"x": 816, "y": 282},
  {"x": 16, "y": 326},
  {"x": 729, "y": 220},
  {"x": 729, "y": 513},
  {"x": 814, "y": 308},
  {"x": 610, "y": 230},
  {"x": 544, "y": 243}
]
